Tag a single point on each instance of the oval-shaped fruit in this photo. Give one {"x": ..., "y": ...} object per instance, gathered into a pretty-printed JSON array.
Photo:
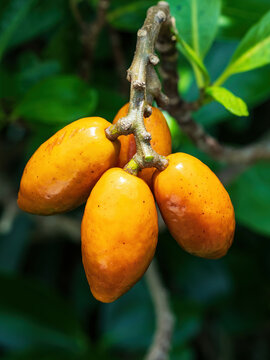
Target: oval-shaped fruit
[
  {"x": 195, "y": 206},
  {"x": 61, "y": 173},
  {"x": 161, "y": 142},
  {"x": 119, "y": 234}
]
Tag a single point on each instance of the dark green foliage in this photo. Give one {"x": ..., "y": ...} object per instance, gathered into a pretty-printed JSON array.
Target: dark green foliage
[{"x": 221, "y": 307}]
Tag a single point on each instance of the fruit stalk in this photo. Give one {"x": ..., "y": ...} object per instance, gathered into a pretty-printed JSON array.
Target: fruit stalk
[{"x": 145, "y": 87}]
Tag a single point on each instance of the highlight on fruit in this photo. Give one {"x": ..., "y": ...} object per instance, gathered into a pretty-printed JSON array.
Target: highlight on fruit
[{"x": 119, "y": 229}]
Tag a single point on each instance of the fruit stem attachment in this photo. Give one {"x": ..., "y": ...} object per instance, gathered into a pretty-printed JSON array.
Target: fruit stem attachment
[{"x": 144, "y": 89}]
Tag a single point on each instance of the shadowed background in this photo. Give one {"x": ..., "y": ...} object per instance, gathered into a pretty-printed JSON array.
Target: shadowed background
[{"x": 54, "y": 69}]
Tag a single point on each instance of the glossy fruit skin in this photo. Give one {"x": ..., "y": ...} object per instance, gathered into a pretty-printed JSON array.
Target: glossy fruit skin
[
  {"x": 195, "y": 206},
  {"x": 119, "y": 234},
  {"x": 161, "y": 141},
  {"x": 63, "y": 170}
]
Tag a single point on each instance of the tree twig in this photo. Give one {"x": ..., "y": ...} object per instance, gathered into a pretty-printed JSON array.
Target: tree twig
[
  {"x": 76, "y": 13},
  {"x": 160, "y": 347},
  {"x": 90, "y": 33},
  {"x": 145, "y": 87}
]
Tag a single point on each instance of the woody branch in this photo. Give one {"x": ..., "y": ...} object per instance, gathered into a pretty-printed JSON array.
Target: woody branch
[{"x": 145, "y": 87}]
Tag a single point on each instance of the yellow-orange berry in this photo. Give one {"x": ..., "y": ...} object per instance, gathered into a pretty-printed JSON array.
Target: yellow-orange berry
[
  {"x": 61, "y": 173},
  {"x": 119, "y": 234},
  {"x": 195, "y": 206},
  {"x": 161, "y": 141}
]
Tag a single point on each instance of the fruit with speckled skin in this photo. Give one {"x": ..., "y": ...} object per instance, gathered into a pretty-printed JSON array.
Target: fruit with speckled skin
[
  {"x": 161, "y": 141},
  {"x": 63, "y": 170},
  {"x": 119, "y": 234},
  {"x": 195, "y": 206}
]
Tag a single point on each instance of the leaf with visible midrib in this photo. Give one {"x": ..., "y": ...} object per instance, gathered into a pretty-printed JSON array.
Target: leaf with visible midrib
[
  {"x": 196, "y": 22},
  {"x": 252, "y": 52},
  {"x": 193, "y": 58}
]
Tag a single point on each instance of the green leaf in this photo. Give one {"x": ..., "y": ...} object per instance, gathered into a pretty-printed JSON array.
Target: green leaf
[
  {"x": 239, "y": 15},
  {"x": 44, "y": 16},
  {"x": 194, "y": 59},
  {"x": 251, "y": 198},
  {"x": 8, "y": 84},
  {"x": 32, "y": 70},
  {"x": 253, "y": 86},
  {"x": 252, "y": 52},
  {"x": 32, "y": 315},
  {"x": 226, "y": 98},
  {"x": 63, "y": 47},
  {"x": 57, "y": 100},
  {"x": 14, "y": 13},
  {"x": 196, "y": 22},
  {"x": 176, "y": 133},
  {"x": 128, "y": 16}
]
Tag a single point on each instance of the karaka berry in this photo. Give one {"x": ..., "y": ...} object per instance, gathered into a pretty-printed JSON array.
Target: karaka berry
[
  {"x": 195, "y": 206},
  {"x": 61, "y": 173},
  {"x": 119, "y": 234}
]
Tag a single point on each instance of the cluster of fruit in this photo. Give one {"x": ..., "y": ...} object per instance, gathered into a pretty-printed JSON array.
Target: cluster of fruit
[{"x": 120, "y": 225}]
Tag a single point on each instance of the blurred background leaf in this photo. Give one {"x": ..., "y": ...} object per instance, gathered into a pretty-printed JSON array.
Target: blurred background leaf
[
  {"x": 197, "y": 22},
  {"x": 46, "y": 308},
  {"x": 251, "y": 196},
  {"x": 11, "y": 19},
  {"x": 238, "y": 16},
  {"x": 128, "y": 16},
  {"x": 133, "y": 311},
  {"x": 252, "y": 52},
  {"x": 59, "y": 99},
  {"x": 36, "y": 317}
]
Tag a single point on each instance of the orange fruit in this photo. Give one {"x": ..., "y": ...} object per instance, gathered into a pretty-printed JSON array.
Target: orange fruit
[
  {"x": 119, "y": 234},
  {"x": 161, "y": 141},
  {"x": 195, "y": 206},
  {"x": 61, "y": 173}
]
